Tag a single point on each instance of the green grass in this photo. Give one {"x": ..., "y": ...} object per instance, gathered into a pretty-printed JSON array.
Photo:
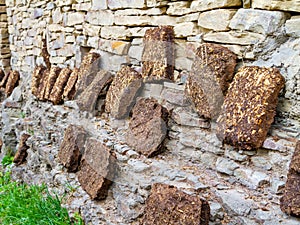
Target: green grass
[
  {"x": 22, "y": 204},
  {"x": 8, "y": 158}
]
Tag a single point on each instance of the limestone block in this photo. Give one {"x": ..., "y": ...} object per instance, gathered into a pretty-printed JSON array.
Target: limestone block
[
  {"x": 178, "y": 8},
  {"x": 60, "y": 83},
  {"x": 99, "y": 4},
  {"x": 93, "y": 42},
  {"x": 36, "y": 79},
  {"x": 133, "y": 20},
  {"x": 205, "y": 5},
  {"x": 156, "y": 3},
  {"x": 66, "y": 51},
  {"x": 217, "y": 20},
  {"x": 137, "y": 31},
  {"x": 141, "y": 12},
  {"x": 72, "y": 147},
  {"x": 121, "y": 94},
  {"x": 163, "y": 20},
  {"x": 136, "y": 52},
  {"x": 115, "y": 4},
  {"x": 97, "y": 169},
  {"x": 158, "y": 56},
  {"x": 100, "y": 17},
  {"x": 186, "y": 29},
  {"x": 70, "y": 88},
  {"x": 188, "y": 18},
  {"x": 53, "y": 74},
  {"x": 116, "y": 47},
  {"x": 207, "y": 84},
  {"x": 114, "y": 32},
  {"x": 169, "y": 205},
  {"x": 249, "y": 107},
  {"x": 21, "y": 153},
  {"x": 292, "y": 26},
  {"x": 12, "y": 82},
  {"x": 258, "y": 21},
  {"x": 233, "y": 37},
  {"x": 91, "y": 30},
  {"x": 285, "y": 5},
  {"x": 82, "y": 6},
  {"x": 147, "y": 127},
  {"x": 74, "y": 18},
  {"x": 86, "y": 101},
  {"x": 57, "y": 16},
  {"x": 65, "y": 2}
]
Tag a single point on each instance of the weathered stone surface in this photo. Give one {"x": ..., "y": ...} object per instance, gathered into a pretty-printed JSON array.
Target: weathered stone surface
[
  {"x": 36, "y": 79},
  {"x": 227, "y": 166},
  {"x": 115, "y": 32},
  {"x": 72, "y": 147},
  {"x": 53, "y": 74},
  {"x": 158, "y": 56},
  {"x": 258, "y": 21},
  {"x": 205, "y": 5},
  {"x": 185, "y": 29},
  {"x": 60, "y": 83},
  {"x": 86, "y": 101},
  {"x": 121, "y": 95},
  {"x": 168, "y": 205},
  {"x": 211, "y": 74},
  {"x": 285, "y": 5},
  {"x": 234, "y": 37},
  {"x": 147, "y": 127},
  {"x": 70, "y": 88},
  {"x": 133, "y": 20},
  {"x": 249, "y": 107},
  {"x": 178, "y": 8},
  {"x": 12, "y": 82},
  {"x": 112, "y": 46},
  {"x": 87, "y": 71},
  {"x": 100, "y": 17},
  {"x": 97, "y": 169},
  {"x": 45, "y": 54},
  {"x": 217, "y": 20},
  {"x": 250, "y": 178},
  {"x": 292, "y": 26},
  {"x": 113, "y": 4},
  {"x": 21, "y": 154},
  {"x": 99, "y": 4},
  {"x": 74, "y": 18}
]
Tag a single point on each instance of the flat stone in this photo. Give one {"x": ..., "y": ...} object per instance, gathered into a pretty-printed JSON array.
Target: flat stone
[
  {"x": 234, "y": 37},
  {"x": 158, "y": 57},
  {"x": 211, "y": 74},
  {"x": 97, "y": 169},
  {"x": 284, "y": 5},
  {"x": 185, "y": 29},
  {"x": 121, "y": 94},
  {"x": 75, "y": 18},
  {"x": 86, "y": 101},
  {"x": 205, "y": 5},
  {"x": 186, "y": 117},
  {"x": 114, "y": 4},
  {"x": 292, "y": 26},
  {"x": 178, "y": 8},
  {"x": 100, "y": 17},
  {"x": 217, "y": 20},
  {"x": 249, "y": 107},
  {"x": 227, "y": 166},
  {"x": 72, "y": 147},
  {"x": 147, "y": 127},
  {"x": 133, "y": 20},
  {"x": 257, "y": 21},
  {"x": 115, "y": 32},
  {"x": 21, "y": 153},
  {"x": 250, "y": 178},
  {"x": 168, "y": 205},
  {"x": 99, "y": 4}
]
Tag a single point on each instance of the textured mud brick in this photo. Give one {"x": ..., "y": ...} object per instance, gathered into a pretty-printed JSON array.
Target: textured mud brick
[
  {"x": 21, "y": 154},
  {"x": 45, "y": 54},
  {"x": 42, "y": 85},
  {"x": 36, "y": 79},
  {"x": 86, "y": 101},
  {"x": 12, "y": 82},
  {"x": 70, "y": 88},
  {"x": 97, "y": 169},
  {"x": 147, "y": 127},
  {"x": 72, "y": 147},
  {"x": 295, "y": 163},
  {"x": 158, "y": 57},
  {"x": 212, "y": 72},
  {"x": 60, "y": 83},
  {"x": 87, "y": 71},
  {"x": 167, "y": 205},
  {"x": 121, "y": 94},
  {"x": 290, "y": 201},
  {"x": 53, "y": 75},
  {"x": 249, "y": 107}
]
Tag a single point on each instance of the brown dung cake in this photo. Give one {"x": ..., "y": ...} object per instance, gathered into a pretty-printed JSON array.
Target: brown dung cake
[
  {"x": 167, "y": 205},
  {"x": 53, "y": 74},
  {"x": 211, "y": 74},
  {"x": 290, "y": 201},
  {"x": 21, "y": 153},
  {"x": 36, "y": 79},
  {"x": 12, "y": 81},
  {"x": 58, "y": 88},
  {"x": 250, "y": 106},
  {"x": 121, "y": 93},
  {"x": 42, "y": 85},
  {"x": 158, "y": 57},
  {"x": 70, "y": 88}
]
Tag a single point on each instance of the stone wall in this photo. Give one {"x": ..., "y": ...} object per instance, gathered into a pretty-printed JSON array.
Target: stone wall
[{"x": 242, "y": 186}]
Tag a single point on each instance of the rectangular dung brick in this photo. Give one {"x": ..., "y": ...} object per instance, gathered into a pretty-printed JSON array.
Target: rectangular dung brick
[
  {"x": 53, "y": 74},
  {"x": 12, "y": 81},
  {"x": 37, "y": 76},
  {"x": 70, "y": 88}
]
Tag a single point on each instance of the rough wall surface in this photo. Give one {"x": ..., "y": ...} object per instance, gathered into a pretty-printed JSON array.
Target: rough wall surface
[{"x": 241, "y": 186}]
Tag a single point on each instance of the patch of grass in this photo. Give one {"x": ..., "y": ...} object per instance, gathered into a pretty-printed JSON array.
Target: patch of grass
[
  {"x": 8, "y": 158},
  {"x": 22, "y": 204}
]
